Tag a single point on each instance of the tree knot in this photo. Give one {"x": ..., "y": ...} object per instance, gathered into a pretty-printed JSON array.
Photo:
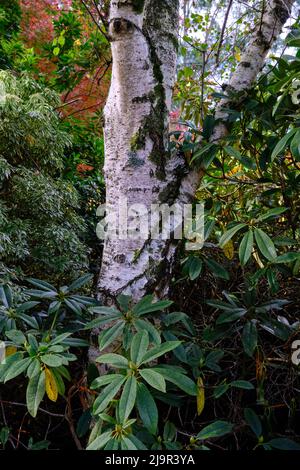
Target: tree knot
[{"x": 119, "y": 27}]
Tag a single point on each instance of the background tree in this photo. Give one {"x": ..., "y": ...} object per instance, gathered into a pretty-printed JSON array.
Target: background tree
[{"x": 41, "y": 232}]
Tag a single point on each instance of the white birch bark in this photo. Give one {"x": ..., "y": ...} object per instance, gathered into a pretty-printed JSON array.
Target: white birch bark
[
  {"x": 269, "y": 27},
  {"x": 137, "y": 165},
  {"x": 275, "y": 15}
]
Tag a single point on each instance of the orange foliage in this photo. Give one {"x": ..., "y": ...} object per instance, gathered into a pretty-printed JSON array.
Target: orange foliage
[{"x": 37, "y": 29}]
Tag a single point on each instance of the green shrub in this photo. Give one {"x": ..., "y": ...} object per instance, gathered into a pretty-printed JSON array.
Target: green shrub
[
  {"x": 36, "y": 325},
  {"x": 41, "y": 231}
]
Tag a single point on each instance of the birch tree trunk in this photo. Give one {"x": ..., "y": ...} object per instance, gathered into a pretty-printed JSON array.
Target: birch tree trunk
[{"x": 138, "y": 165}]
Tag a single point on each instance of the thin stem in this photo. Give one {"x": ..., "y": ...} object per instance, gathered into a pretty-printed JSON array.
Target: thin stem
[
  {"x": 14, "y": 403},
  {"x": 223, "y": 31},
  {"x": 94, "y": 19}
]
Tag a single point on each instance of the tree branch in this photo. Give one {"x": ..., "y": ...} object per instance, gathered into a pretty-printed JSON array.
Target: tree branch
[{"x": 242, "y": 80}]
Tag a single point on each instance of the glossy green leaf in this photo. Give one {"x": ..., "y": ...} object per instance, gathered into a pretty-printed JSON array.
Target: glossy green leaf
[
  {"x": 34, "y": 368},
  {"x": 110, "y": 335},
  {"x": 16, "y": 369},
  {"x": 16, "y": 336},
  {"x": 195, "y": 268},
  {"x": 115, "y": 360},
  {"x": 253, "y": 421},
  {"x": 35, "y": 393},
  {"x": 143, "y": 325},
  {"x": 154, "y": 379},
  {"x": 243, "y": 384},
  {"x": 80, "y": 282},
  {"x": 180, "y": 380},
  {"x": 147, "y": 408},
  {"x": 139, "y": 346},
  {"x": 272, "y": 213},
  {"x": 104, "y": 380},
  {"x": 295, "y": 145},
  {"x": 249, "y": 338},
  {"x": 245, "y": 248},
  {"x": 220, "y": 390},
  {"x": 282, "y": 144},
  {"x": 283, "y": 443},
  {"x": 42, "y": 284},
  {"x": 230, "y": 316},
  {"x": 217, "y": 269},
  {"x": 160, "y": 350},
  {"x": 265, "y": 244},
  {"x": 287, "y": 258},
  {"x": 52, "y": 360},
  {"x": 107, "y": 395},
  {"x": 147, "y": 306},
  {"x": 227, "y": 236},
  {"x": 100, "y": 441},
  {"x": 216, "y": 429},
  {"x": 128, "y": 397}
]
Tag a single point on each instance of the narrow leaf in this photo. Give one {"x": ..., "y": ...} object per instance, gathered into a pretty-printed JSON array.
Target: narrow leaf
[
  {"x": 265, "y": 244},
  {"x": 147, "y": 408},
  {"x": 128, "y": 397},
  {"x": 216, "y": 429},
  {"x": 245, "y": 248},
  {"x": 107, "y": 395},
  {"x": 230, "y": 233},
  {"x": 154, "y": 379},
  {"x": 160, "y": 350},
  {"x": 35, "y": 392},
  {"x": 139, "y": 346}
]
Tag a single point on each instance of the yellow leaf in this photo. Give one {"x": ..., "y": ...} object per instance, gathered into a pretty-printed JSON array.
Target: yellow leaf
[
  {"x": 10, "y": 350},
  {"x": 200, "y": 396},
  {"x": 234, "y": 170},
  {"x": 228, "y": 249},
  {"x": 51, "y": 386},
  {"x": 258, "y": 260},
  {"x": 30, "y": 139},
  {"x": 237, "y": 54}
]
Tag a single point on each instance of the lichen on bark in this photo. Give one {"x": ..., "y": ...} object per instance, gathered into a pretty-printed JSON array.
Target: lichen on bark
[
  {"x": 138, "y": 5},
  {"x": 158, "y": 17}
]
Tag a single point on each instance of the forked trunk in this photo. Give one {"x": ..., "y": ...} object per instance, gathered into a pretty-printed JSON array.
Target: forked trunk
[{"x": 139, "y": 168}]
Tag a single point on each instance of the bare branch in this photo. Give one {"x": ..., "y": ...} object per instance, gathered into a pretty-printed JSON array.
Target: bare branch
[{"x": 223, "y": 31}]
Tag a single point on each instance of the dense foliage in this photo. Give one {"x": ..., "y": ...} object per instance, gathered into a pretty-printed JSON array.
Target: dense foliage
[
  {"x": 10, "y": 14},
  {"x": 40, "y": 228}
]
